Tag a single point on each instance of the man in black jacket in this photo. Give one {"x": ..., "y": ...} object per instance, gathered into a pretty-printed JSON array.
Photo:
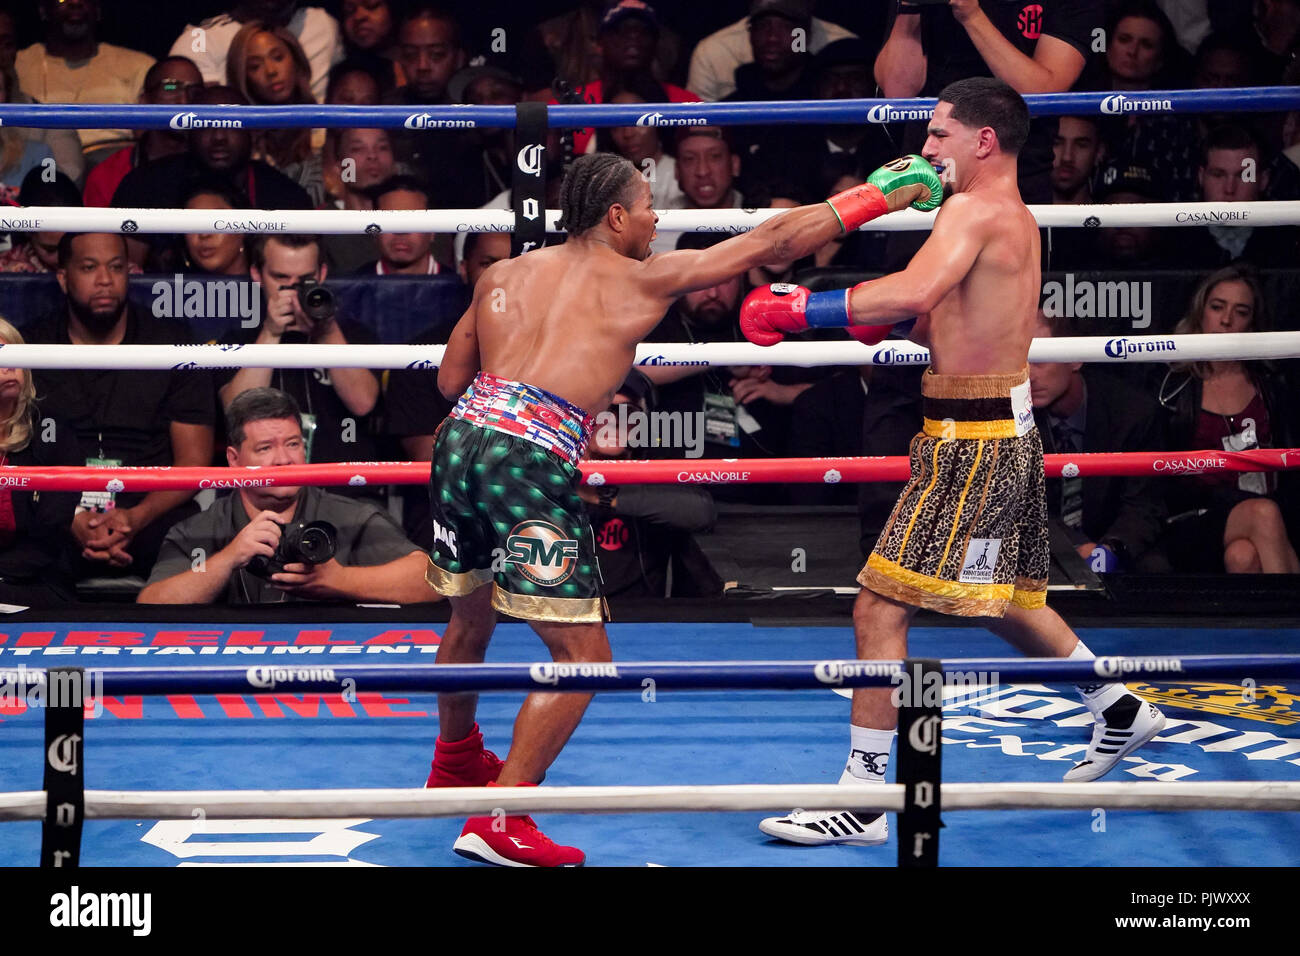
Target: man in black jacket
[
  {"x": 216, "y": 152},
  {"x": 1112, "y": 522}
]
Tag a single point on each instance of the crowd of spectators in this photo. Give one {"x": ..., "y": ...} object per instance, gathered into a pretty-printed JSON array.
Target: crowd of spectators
[{"x": 366, "y": 52}]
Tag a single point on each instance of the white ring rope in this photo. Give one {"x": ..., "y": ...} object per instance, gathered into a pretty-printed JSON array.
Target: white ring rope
[
  {"x": 354, "y": 222},
  {"x": 1222, "y": 346},
  {"x": 479, "y": 801}
]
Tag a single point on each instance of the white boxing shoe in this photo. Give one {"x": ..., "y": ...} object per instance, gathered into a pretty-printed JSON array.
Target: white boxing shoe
[
  {"x": 1121, "y": 728},
  {"x": 828, "y": 827}
]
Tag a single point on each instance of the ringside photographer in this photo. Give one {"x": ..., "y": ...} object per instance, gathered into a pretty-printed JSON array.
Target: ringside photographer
[{"x": 267, "y": 545}]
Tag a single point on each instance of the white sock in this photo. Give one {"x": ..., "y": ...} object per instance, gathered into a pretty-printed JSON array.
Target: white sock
[
  {"x": 1097, "y": 697},
  {"x": 869, "y": 752}
]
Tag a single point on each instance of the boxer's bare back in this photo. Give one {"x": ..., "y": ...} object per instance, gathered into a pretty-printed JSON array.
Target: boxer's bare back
[{"x": 568, "y": 318}]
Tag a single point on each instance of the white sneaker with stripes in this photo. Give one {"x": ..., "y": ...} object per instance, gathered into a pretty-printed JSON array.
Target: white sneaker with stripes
[
  {"x": 826, "y": 827},
  {"x": 1121, "y": 728}
]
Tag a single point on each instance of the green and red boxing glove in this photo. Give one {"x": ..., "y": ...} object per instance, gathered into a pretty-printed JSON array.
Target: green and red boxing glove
[
  {"x": 884, "y": 192},
  {"x": 769, "y": 312}
]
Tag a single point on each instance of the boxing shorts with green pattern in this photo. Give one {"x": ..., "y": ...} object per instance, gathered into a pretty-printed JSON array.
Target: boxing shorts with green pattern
[
  {"x": 968, "y": 535},
  {"x": 506, "y": 512}
]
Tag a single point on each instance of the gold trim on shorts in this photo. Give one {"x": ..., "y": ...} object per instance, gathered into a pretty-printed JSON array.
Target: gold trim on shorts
[
  {"x": 534, "y": 607},
  {"x": 456, "y": 585},
  {"x": 980, "y": 431},
  {"x": 892, "y": 580},
  {"x": 1030, "y": 594},
  {"x": 936, "y": 385}
]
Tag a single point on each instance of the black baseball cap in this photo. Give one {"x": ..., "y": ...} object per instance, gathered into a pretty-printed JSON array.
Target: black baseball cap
[{"x": 1129, "y": 177}]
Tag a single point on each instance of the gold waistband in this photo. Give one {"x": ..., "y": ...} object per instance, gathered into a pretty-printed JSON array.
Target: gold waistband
[{"x": 934, "y": 385}]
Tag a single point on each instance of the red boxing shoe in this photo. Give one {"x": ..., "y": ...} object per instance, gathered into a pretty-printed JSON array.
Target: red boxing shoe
[
  {"x": 513, "y": 841},
  {"x": 463, "y": 763}
]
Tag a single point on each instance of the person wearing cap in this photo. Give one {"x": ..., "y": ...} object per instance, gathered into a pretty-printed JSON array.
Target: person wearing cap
[
  {"x": 717, "y": 57},
  {"x": 640, "y": 530},
  {"x": 487, "y": 156},
  {"x": 629, "y": 35},
  {"x": 1129, "y": 247},
  {"x": 567, "y": 48}
]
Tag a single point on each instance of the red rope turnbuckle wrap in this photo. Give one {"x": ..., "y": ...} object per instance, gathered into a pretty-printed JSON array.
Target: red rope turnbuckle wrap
[{"x": 622, "y": 472}]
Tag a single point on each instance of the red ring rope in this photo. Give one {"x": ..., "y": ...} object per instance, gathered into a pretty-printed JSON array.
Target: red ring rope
[{"x": 620, "y": 472}]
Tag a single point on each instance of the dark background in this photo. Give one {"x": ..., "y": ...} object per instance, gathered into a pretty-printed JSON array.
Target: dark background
[{"x": 153, "y": 25}]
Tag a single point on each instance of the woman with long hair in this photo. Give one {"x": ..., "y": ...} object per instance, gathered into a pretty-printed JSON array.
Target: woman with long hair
[
  {"x": 215, "y": 253},
  {"x": 1228, "y": 521},
  {"x": 36, "y": 542},
  {"x": 267, "y": 65}
]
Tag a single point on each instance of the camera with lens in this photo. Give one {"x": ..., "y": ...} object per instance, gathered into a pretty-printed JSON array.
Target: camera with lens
[
  {"x": 303, "y": 542},
  {"x": 315, "y": 299}
]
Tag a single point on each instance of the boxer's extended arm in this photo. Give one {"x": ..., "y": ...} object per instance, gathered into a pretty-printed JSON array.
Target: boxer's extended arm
[
  {"x": 789, "y": 236},
  {"x": 959, "y": 235},
  {"x": 903, "y": 182}
]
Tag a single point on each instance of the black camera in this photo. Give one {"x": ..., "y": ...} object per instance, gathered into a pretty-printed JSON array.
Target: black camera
[
  {"x": 303, "y": 542},
  {"x": 316, "y": 300}
]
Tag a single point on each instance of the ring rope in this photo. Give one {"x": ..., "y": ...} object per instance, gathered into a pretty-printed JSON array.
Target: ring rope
[
  {"x": 1221, "y": 346},
  {"x": 975, "y": 673},
  {"x": 624, "y": 472},
  {"x": 478, "y": 801},
  {"x": 874, "y": 110},
  {"x": 356, "y": 222}
]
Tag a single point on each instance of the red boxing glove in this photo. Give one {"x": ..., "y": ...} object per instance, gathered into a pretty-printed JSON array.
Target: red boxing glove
[
  {"x": 869, "y": 334},
  {"x": 770, "y": 311},
  {"x": 858, "y": 205}
]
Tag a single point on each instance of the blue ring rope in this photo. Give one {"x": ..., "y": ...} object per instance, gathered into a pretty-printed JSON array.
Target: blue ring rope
[
  {"x": 294, "y": 676},
  {"x": 152, "y": 116}
]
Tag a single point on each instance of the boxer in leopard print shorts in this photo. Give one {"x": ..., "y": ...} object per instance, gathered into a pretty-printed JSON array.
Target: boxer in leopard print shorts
[{"x": 969, "y": 533}]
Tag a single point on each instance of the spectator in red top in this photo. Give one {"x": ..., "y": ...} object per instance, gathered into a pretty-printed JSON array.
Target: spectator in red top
[
  {"x": 173, "y": 81},
  {"x": 629, "y": 35},
  {"x": 1228, "y": 521}
]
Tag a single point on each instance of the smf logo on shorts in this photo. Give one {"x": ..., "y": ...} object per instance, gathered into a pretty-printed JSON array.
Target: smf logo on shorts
[
  {"x": 542, "y": 553},
  {"x": 981, "y": 558}
]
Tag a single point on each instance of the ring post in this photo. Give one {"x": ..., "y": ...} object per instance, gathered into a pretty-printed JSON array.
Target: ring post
[
  {"x": 65, "y": 781},
  {"x": 920, "y": 730}
]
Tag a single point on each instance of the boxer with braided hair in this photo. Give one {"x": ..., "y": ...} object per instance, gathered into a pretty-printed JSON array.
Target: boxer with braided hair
[{"x": 548, "y": 338}]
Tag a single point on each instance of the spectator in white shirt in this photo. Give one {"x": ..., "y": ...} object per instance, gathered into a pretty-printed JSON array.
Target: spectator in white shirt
[
  {"x": 714, "y": 62},
  {"x": 315, "y": 30}
]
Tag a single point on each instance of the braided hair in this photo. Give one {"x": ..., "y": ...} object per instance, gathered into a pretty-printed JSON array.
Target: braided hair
[{"x": 591, "y": 185}]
